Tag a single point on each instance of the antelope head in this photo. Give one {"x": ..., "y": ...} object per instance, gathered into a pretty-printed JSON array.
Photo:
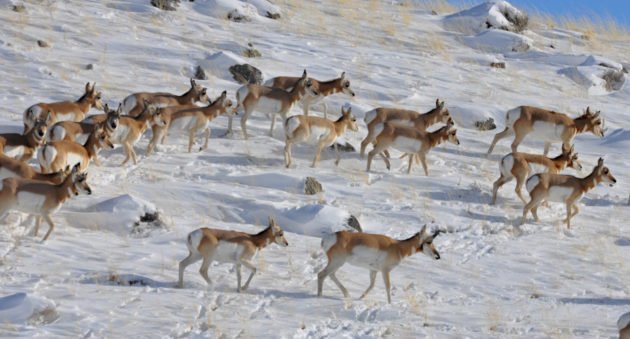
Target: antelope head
[{"x": 278, "y": 233}]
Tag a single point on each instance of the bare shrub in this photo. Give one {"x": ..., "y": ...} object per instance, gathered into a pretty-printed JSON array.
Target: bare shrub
[
  {"x": 614, "y": 79},
  {"x": 497, "y": 65},
  {"x": 486, "y": 125},
  {"x": 519, "y": 22},
  {"x": 165, "y": 5}
]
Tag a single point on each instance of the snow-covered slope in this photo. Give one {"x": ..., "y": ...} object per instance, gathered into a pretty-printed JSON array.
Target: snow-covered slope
[{"x": 98, "y": 278}]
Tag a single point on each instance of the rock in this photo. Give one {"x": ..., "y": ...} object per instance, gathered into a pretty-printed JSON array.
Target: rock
[
  {"x": 20, "y": 8},
  {"x": 312, "y": 186},
  {"x": 354, "y": 223},
  {"x": 346, "y": 147},
  {"x": 274, "y": 16},
  {"x": 89, "y": 67},
  {"x": 200, "y": 74},
  {"x": 165, "y": 5},
  {"x": 486, "y": 125},
  {"x": 497, "y": 65},
  {"x": 251, "y": 52},
  {"x": 246, "y": 74},
  {"x": 43, "y": 44}
]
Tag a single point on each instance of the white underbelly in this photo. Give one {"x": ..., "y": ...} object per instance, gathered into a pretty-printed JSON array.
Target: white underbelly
[
  {"x": 318, "y": 133},
  {"x": 267, "y": 105},
  {"x": 401, "y": 122},
  {"x": 559, "y": 193},
  {"x": 73, "y": 159},
  {"x": 227, "y": 252},
  {"x": 185, "y": 123},
  {"x": 407, "y": 145},
  {"x": 546, "y": 131},
  {"x": 537, "y": 168},
  {"x": 120, "y": 134},
  {"x": 14, "y": 151},
  {"x": 369, "y": 258},
  {"x": 66, "y": 117},
  {"x": 6, "y": 173},
  {"x": 29, "y": 202}
]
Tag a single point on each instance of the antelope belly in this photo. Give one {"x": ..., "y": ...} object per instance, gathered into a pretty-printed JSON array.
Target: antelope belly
[
  {"x": 119, "y": 134},
  {"x": 14, "y": 151},
  {"x": 6, "y": 173},
  {"x": 318, "y": 133},
  {"x": 367, "y": 257},
  {"x": 559, "y": 193},
  {"x": 73, "y": 159},
  {"x": 401, "y": 122},
  {"x": 184, "y": 123},
  {"x": 227, "y": 252},
  {"x": 547, "y": 131},
  {"x": 29, "y": 202},
  {"x": 65, "y": 116},
  {"x": 408, "y": 145},
  {"x": 81, "y": 138},
  {"x": 267, "y": 105}
]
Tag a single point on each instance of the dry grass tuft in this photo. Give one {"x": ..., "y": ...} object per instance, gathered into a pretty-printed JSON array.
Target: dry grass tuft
[{"x": 614, "y": 80}]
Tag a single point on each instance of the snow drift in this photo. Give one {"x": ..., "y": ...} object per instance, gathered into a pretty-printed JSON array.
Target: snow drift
[{"x": 494, "y": 14}]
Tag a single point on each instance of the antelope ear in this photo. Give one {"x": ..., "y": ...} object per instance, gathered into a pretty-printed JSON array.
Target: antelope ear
[
  {"x": 93, "y": 87},
  {"x": 437, "y": 102},
  {"x": 106, "y": 108},
  {"x": 119, "y": 109},
  {"x": 596, "y": 114},
  {"x": 423, "y": 231},
  {"x": 192, "y": 82},
  {"x": 224, "y": 94},
  {"x": 600, "y": 162},
  {"x": 304, "y": 74},
  {"x": 75, "y": 169},
  {"x": 87, "y": 87},
  {"x": 588, "y": 109},
  {"x": 441, "y": 105},
  {"x": 343, "y": 75}
]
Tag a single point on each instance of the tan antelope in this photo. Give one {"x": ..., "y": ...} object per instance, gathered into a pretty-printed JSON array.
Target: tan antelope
[
  {"x": 324, "y": 88},
  {"x": 376, "y": 252},
  {"x": 519, "y": 165},
  {"x": 321, "y": 131},
  {"x": 79, "y": 131},
  {"x": 402, "y": 117},
  {"x": 10, "y": 168},
  {"x": 64, "y": 110},
  {"x": 56, "y": 155},
  {"x": 226, "y": 246},
  {"x": 193, "y": 120},
  {"x": 159, "y": 132},
  {"x": 272, "y": 100},
  {"x": 134, "y": 103},
  {"x": 24, "y": 146},
  {"x": 40, "y": 198},
  {"x": 130, "y": 129},
  {"x": 548, "y": 126},
  {"x": 563, "y": 188},
  {"x": 410, "y": 140}
]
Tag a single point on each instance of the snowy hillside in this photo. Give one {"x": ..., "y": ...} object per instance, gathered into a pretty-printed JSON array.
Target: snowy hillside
[{"x": 105, "y": 273}]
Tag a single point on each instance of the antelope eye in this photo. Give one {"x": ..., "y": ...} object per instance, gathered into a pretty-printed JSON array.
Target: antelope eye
[
  {"x": 347, "y": 84},
  {"x": 354, "y": 119},
  {"x": 598, "y": 123},
  {"x": 605, "y": 170}
]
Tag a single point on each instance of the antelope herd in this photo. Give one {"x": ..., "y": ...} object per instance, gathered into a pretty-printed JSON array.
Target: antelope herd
[{"x": 65, "y": 141}]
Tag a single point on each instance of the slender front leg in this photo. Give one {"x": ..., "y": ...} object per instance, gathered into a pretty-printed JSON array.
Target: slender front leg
[
  {"x": 387, "y": 286},
  {"x": 372, "y": 279},
  {"x": 287, "y": 153},
  {"x": 423, "y": 160},
  {"x": 273, "y": 123},
  {"x": 51, "y": 224},
  {"x": 191, "y": 139},
  {"x": 238, "y": 278},
  {"x": 38, "y": 222},
  {"x": 203, "y": 270},
  {"x": 318, "y": 153},
  {"x": 253, "y": 270},
  {"x": 547, "y": 146},
  {"x": 207, "y": 136}
]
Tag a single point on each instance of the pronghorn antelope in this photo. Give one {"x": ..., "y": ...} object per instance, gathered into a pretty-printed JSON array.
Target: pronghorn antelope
[
  {"x": 130, "y": 129},
  {"x": 79, "y": 131},
  {"x": 623, "y": 324},
  {"x": 134, "y": 103},
  {"x": 323, "y": 132},
  {"x": 228, "y": 247},
  {"x": 56, "y": 155},
  {"x": 10, "y": 168},
  {"x": 519, "y": 165},
  {"x": 563, "y": 188},
  {"x": 376, "y": 252},
  {"x": 40, "y": 198},
  {"x": 159, "y": 132},
  {"x": 410, "y": 140},
  {"x": 64, "y": 110},
  {"x": 548, "y": 126},
  {"x": 193, "y": 120},
  {"x": 403, "y": 117},
  {"x": 24, "y": 146},
  {"x": 272, "y": 100},
  {"x": 324, "y": 88}
]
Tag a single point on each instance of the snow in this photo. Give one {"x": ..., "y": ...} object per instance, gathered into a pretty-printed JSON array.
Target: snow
[
  {"x": 479, "y": 18},
  {"x": 96, "y": 277},
  {"x": 497, "y": 41}
]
